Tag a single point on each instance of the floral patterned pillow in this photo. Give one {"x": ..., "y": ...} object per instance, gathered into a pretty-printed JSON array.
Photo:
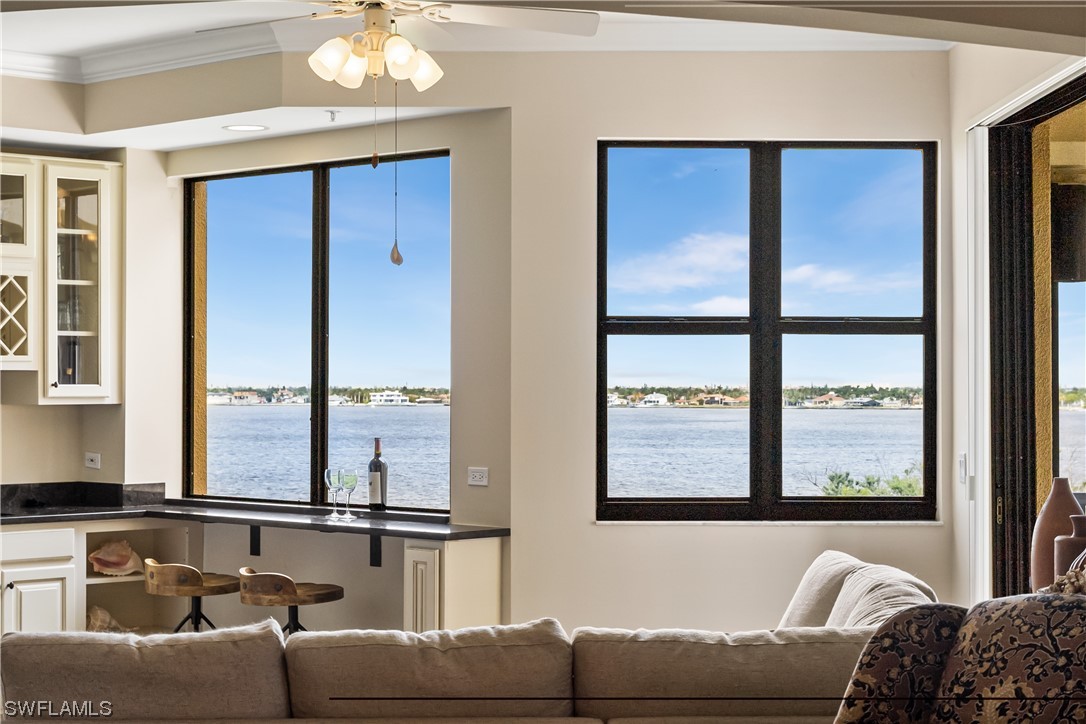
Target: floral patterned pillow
[
  {"x": 1018, "y": 659},
  {"x": 898, "y": 673}
]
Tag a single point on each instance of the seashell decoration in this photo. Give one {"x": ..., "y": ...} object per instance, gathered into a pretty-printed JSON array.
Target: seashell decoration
[
  {"x": 115, "y": 558},
  {"x": 99, "y": 619}
]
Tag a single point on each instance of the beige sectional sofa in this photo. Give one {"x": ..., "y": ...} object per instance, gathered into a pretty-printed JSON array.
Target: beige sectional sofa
[{"x": 796, "y": 673}]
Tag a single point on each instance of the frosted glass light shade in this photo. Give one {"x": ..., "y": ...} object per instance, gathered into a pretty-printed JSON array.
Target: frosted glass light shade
[
  {"x": 398, "y": 50},
  {"x": 427, "y": 73},
  {"x": 354, "y": 72},
  {"x": 403, "y": 71},
  {"x": 328, "y": 60}
]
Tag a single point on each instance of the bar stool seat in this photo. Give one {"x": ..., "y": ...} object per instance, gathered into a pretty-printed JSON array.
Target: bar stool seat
[
  {"x": 277, "y": 589},
  {"x": 178, "y": 579}
]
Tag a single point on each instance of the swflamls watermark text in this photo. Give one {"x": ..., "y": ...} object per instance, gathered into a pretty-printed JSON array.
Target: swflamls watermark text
[{"x": 69, "y": 709}]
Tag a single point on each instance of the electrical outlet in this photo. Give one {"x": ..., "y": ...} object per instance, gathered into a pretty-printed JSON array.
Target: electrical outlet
[
  {"x": 92, "y": 460},
  {"x": 477, "y": 476}
]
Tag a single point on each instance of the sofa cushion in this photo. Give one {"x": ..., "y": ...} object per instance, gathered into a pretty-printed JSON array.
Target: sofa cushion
[
  {"x": 897, "y": 675},
  {"x": 497, "y": 671},
  {"x": 818, "y": 589},
  {"x": 771, "y": 719},
  {"x": 872, "y": 593},
  {"x": 1017, "y": 659},
  {"x": 235, "y": 673},
  {"x": 787, "y": 672}
]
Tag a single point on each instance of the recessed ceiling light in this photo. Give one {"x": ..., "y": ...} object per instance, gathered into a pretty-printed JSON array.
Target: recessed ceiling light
[{"x": 245, "y": 127}]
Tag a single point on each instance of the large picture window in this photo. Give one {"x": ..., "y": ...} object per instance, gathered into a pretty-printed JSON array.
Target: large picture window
[
  {"x": 766, "y": 332},
  {"x": 306, "y": 342}
]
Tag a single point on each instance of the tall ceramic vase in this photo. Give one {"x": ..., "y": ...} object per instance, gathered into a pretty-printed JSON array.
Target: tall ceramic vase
[
  {"x": 1053, "y": 520},
  {"x": 1069, "y": 547}
]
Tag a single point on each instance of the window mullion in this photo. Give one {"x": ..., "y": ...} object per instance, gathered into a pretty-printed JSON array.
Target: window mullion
[
  {"x": 318, "y": 395},
  {"x": 765, "y": 339}
]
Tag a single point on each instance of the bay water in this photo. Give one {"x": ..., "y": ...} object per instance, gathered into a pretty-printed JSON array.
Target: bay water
[{"x": 262, "y": 451}]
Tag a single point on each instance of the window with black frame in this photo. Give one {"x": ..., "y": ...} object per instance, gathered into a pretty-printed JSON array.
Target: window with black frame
[
  {"x": 305, "y": 340},
  {"x": 766, "y": 336}
]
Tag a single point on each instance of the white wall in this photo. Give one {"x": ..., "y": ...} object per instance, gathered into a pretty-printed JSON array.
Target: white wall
[
  {"x": 524, "y": 206},
  {"x": 982, "y": 80},
  {"x": 372, "y": 597}
]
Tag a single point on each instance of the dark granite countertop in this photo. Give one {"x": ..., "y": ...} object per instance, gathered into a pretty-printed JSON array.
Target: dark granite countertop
[{"x": 394, "y": 525}]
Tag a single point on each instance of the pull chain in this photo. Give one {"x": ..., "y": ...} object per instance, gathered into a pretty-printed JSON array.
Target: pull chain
[
  {"x": 395, "y": 256},
  {"x": 374, "y": 160}
]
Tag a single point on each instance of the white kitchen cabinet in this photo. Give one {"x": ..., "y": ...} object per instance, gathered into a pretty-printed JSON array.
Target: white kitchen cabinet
[
  {"x": 451, "y": 584},
  {"x": 38, "y": 580},
  {"x": 64, "y": 295},
  {"x": 49, "y": 585},
  {"x": 20, "y": 235}
]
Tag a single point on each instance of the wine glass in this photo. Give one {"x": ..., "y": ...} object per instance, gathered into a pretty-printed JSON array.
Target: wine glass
[
  {"x": 332, "y": 480},
  {"x": 348, "y": 480}
]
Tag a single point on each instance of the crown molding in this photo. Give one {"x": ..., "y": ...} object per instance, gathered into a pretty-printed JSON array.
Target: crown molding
[
  {"x": 183, "y": 52},
  {"x": 41, "y": 67},
  {"x": 156, "y": 57}
]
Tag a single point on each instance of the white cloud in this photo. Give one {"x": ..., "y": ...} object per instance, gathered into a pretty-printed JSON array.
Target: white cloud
[
  {"x": 697, "y": 260},
  {"x": 723, "y": 306},
  {"x": 844, "y": 281},
  {"x": 818, "y": 277}
]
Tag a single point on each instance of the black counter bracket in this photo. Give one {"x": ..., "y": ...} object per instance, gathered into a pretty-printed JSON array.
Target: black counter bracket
[
  {"x": 254, "y": 540},
  {"x": 375, "y": 551}
]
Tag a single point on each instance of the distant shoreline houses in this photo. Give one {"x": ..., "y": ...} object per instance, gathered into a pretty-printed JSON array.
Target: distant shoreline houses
[
  {"x": 287, "y": 396},
  {"x": 829, "y": 400}
]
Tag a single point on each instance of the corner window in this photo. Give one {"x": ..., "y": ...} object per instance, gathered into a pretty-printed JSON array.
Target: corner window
[
  {"x": 305, "y": 341},
  {"x": 766, "y": 331}
]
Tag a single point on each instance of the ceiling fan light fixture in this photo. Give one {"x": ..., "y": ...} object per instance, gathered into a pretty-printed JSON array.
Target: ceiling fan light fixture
[
  {"x": 328, "y": 60},
  {"x": 354, "y": 71},
  {"x": 398, "y": 50},
  {"x": 428, "y": 72},
  {"x": 403, "y": 71},
  {"x": 375, "y": 61}
]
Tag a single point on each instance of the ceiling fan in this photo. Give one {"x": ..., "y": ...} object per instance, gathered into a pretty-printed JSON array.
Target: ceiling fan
[{"x": 571, "y": 22}]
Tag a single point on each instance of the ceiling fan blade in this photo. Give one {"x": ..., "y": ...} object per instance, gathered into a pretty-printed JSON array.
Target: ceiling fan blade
[
  {"x": 570, "y": 22},
  {"x": 11, "y": 6},
  {"x": 337, "y": 13}
]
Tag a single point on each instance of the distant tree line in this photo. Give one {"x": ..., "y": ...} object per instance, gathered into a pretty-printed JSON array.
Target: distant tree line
[
  {"x": 355, "y": 394},
  {"x": 1072, "y": 395},
  {"x": 674, "y": 393},
  {"x": 905, "y": 394},
  {"x": 791, "y": 394}
]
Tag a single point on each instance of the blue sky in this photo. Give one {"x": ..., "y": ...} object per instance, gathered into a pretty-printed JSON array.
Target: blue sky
[
  {"x": 1072, "y": 330},
  {"x": 678, "y": 225},
  {"x": 678, "y": 228},
  {"x": 388, "y": 325}
]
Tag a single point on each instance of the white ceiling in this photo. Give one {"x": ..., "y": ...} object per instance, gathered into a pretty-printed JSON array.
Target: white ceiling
[{"x": 93, "y": 44}]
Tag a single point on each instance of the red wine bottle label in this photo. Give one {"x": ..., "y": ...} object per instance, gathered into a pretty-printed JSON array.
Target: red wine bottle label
[{"x": 375, "y": 488}]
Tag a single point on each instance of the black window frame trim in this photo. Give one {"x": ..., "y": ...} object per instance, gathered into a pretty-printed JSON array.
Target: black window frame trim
[
  {"x": 765, "y": 328},
  {"x": 321, "y": 250}
]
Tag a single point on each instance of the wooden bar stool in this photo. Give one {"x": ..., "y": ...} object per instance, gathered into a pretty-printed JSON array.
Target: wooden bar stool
[
  {"x": 177, "y": 579},
  {"x": 276, "y": 589}
]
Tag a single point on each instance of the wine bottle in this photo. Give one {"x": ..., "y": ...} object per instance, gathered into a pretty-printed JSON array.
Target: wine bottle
[{"x": 378, "y": 478}]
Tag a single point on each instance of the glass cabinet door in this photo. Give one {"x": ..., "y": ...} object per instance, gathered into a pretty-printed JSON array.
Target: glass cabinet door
[
  {"x": 20, "y": 182},
  {"x": 77, "y": 251}
]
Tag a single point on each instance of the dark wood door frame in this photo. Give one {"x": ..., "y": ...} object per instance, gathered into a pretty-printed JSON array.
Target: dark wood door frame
[{"x": 1011, "y": 282}]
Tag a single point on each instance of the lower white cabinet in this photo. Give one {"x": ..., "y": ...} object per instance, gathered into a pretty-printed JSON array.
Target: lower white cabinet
[
  {"x": 47, "y": 584},
  {"x": 37, "y": 573},
  {"x": 39, "y": 599},
  {"x": 451, "y": 584}
]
